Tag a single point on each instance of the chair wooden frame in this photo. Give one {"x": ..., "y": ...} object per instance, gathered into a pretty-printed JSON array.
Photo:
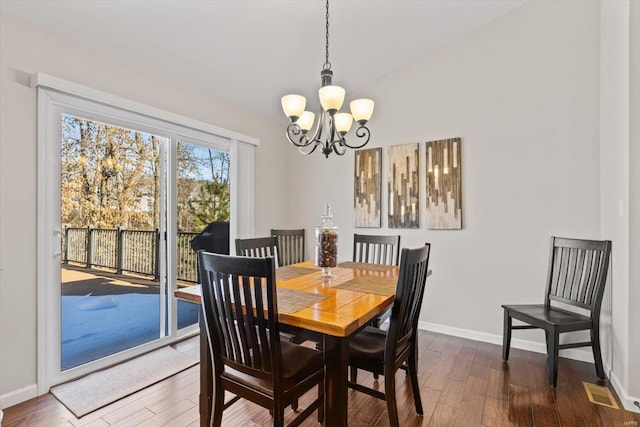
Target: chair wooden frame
[
  {"x": 290, "y": 246},
  {"x": 248, "y": 356},
  {"x": 377, "y": 250},
  {"x": 400, "y": 341},
  {"x": 258, "y": 247},
  {"x": 576, "y": 277},
  {"x": 264, "y": 247}
]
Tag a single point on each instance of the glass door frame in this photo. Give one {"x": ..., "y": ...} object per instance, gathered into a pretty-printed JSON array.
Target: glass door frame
[
  {"x": 218, "y": 144},
  {"x": 51, "y": 105},
  {"x": 103, "y": 115}
]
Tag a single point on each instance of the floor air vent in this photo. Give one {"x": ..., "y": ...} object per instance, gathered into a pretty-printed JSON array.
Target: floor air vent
[{"x": 600, "y": 395}]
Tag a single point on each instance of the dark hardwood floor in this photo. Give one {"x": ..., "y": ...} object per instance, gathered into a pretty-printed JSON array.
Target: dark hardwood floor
[{"x": 463, "y": 383}]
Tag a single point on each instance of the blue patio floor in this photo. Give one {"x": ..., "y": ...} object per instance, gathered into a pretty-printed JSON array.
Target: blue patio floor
[{"x": 95, "y": 326}]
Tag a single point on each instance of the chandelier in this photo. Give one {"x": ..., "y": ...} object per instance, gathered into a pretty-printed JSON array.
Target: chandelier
[{"x": 332, "y": 126}]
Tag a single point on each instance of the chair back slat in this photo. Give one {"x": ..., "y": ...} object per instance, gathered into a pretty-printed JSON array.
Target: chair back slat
[
  {"x": 249, "y": 331},
  {"x": 222, "y": 309},
  {"x": 592, "y": 288},
  {"x": 231, "y": 318},
  {"x": 268, "y": 324},
  {"x": 579, "y": 275},
  {"x": 260, "y": 247},
  {"x": 577, "y": 272},
  {"x": 414, "y": 265},
  {"x": 240, "y": 313},
  {"x": 376, "y": 249},
  {"x": 244, "y": 346},
  {"x": 290, "y": 246},
  {"x": 590, "y": 273}
]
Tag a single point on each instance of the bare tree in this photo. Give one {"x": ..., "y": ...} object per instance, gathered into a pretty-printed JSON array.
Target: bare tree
[{"x": 111, "y": 176}]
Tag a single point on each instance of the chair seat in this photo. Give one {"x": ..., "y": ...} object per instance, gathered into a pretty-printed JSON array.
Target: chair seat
[
  {"x": 298, "y": 363},
  {"x": 540, "y": 315},
  {"x": 368, "y": 344}
]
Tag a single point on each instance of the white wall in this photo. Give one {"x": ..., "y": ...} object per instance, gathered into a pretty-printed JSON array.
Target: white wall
[
  {"x": 522, "y": 92},
  {"x": 633, "y": 383},
  {"x": 620, "y": 200},
  {"x": 26, "y": 50}
]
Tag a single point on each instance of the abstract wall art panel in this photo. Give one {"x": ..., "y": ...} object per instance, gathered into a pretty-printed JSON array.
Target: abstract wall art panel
[
  {"x": 402, "y": 186},
  {"x": 367, "y": 192},
  {"x": 444, "y": 184}
]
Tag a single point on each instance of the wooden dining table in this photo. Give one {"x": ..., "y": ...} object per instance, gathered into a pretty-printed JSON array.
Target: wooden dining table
[{"x": 334, "y": 307}]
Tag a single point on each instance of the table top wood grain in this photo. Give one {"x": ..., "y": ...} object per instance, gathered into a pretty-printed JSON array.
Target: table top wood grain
[{"x": 341, "y": 313}]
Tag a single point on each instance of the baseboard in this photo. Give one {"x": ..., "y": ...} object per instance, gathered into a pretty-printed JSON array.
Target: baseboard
[
  {"x": 537, "y": 347},
  {"x": 627, "y": 401},
  {"x": 17, "y": 396}
]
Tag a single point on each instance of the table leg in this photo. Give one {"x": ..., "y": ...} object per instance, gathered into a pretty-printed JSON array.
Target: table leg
[
  {"x": 336, "y": 360},
  {"x": 206, "y": 378}
]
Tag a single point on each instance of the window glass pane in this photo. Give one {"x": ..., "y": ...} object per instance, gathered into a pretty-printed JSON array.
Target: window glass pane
[
  {"x": 203, "y": 204},
  {"x": 110, "y": 209}
]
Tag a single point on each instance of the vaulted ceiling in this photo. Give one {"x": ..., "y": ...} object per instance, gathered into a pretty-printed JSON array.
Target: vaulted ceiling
[{"x": 251, "y": 52}]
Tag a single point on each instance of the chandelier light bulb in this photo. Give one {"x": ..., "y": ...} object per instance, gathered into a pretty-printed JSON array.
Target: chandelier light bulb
[
  {"x": 293, "y": 106},
  {"x": 362, "y": 109},
  {"x": 331, "y": 98},
  {"x": 306, "y": 121},
  {"x": 343, "y": 122}
]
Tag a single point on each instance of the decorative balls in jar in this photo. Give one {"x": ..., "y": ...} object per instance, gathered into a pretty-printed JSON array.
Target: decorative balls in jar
[{"x": 327, "y": 248}]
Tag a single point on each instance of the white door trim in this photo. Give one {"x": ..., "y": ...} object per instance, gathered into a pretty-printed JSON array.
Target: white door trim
[{"x": 56, "y": 96}]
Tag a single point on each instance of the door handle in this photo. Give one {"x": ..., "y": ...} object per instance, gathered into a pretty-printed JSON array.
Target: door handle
[{"x": 57, "y": 243}]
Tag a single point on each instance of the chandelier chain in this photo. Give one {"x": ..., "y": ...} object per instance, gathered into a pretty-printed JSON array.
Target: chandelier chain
[
  {"x": 331, "y": 126},
  {"x": 326, "y": 60}
]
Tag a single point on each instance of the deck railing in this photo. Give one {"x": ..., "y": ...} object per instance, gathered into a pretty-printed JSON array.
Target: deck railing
[{"x": 132, "y": 251}]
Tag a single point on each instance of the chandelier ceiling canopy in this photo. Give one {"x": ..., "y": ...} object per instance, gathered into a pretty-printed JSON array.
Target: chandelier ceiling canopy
[{"x": 332, "y": 125}]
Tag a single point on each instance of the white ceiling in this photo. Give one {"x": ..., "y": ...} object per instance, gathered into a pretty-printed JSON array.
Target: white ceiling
[{"x": 251, "y": 52}]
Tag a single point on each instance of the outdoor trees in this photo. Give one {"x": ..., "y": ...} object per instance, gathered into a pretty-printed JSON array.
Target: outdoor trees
[
  {"x": 111, "y": 177},
  {"x": 210, "y": 201}
]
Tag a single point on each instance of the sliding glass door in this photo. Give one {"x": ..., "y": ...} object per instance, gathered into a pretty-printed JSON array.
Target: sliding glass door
[
  {"x": 126, "y": 195},
  {"x": 131, "y": 203}
]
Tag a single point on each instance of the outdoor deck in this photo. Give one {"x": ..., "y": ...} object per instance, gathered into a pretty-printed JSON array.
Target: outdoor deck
[
  {"x": 104, "y": 313},
  {"x": 80, "y": 281}
]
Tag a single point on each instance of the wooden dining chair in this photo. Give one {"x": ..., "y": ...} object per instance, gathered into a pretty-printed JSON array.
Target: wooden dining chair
[
  {"x": 576, "y": 277},
  {"x": 384, "y": 352},
  {"x": 290, "y": 246},
  {"x": 264, "y": 247},
  {"x": 240, "y": 311},
  {"x": 259, "y": 247},
  {"x": 377, "y": 250}
]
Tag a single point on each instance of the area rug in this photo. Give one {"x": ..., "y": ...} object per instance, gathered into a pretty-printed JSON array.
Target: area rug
[{"x": 101, "y": 388}]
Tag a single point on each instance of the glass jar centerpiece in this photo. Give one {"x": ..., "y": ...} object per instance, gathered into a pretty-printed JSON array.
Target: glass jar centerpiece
[{"x": 327, "y": 243}]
